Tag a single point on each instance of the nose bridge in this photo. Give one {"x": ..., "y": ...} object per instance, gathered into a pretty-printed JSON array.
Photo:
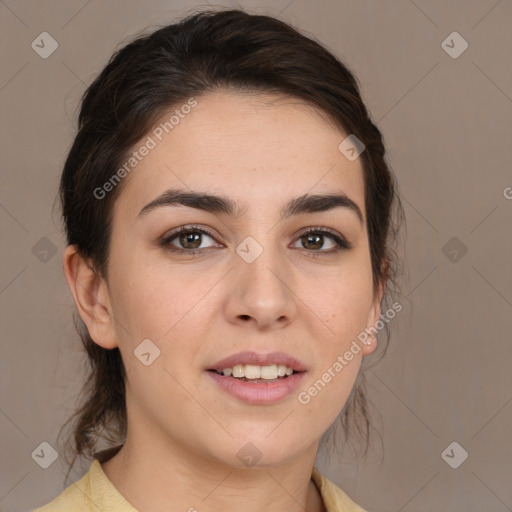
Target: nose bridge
[{"x": 262, "y": 288}]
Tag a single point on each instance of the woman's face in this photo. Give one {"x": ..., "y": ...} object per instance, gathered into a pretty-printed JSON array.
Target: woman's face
[{"x": 255, "y": 283}]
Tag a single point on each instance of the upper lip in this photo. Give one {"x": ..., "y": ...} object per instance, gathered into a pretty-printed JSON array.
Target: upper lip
[{"x": 259, "y": 360}]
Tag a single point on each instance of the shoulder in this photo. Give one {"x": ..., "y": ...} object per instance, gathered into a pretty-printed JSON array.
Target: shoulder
[
  {"x": 76, "y": 497},
  {"x": 91, "y": 493},
  {"x": 335, "y": 499}
]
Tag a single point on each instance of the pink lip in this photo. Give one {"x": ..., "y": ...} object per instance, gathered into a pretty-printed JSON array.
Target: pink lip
[
  {"x": 258, "y": 393},
  {"x": 259, "y": 360}
]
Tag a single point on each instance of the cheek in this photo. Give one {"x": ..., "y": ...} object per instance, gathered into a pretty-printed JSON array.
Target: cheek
[
  {"x": 346, "y": 305},
  {"x": 342, "y": 300},
  {"x": 153, "y": 299}
]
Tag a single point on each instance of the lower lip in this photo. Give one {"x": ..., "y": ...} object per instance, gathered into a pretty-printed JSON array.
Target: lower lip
[{"x": 258, "y": 393}]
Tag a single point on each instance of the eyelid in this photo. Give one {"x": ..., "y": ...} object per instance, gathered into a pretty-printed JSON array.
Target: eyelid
[
  {"x": 329, "y": 231},
  {"x": 341, "y": 242},
  {"x": 166, "y": 239}
]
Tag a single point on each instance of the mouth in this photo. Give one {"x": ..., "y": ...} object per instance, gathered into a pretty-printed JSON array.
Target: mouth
[
  {"x": 258, "y": 378},
  {"x": 253, "y": 367},
  {"x": 257, "y": 374}
]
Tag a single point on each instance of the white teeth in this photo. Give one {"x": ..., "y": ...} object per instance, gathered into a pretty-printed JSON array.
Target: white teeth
[
  {"x": 238, "y": 371},
  {"x": 250, "y": 371},
  {"x": 281, "y": 370},
  {"x": 269, "y": 372}
]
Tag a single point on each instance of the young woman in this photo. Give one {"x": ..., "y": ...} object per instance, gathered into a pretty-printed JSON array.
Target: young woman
[{"x": 230, "y": 219}]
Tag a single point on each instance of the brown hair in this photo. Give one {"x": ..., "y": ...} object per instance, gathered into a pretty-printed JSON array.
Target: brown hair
[{"x": 209, "y": 50}]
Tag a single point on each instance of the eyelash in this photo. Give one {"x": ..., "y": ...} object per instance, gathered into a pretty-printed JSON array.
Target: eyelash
[{"x": 341, "y": 243}]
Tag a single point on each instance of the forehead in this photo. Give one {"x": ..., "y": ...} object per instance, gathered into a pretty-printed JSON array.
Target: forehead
[{"x": 259, "y": 149}]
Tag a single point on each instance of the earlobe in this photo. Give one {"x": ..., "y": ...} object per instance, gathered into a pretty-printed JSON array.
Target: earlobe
[
  {"x": 371, "y": 343},
  {"x": 90, "y": 294}
]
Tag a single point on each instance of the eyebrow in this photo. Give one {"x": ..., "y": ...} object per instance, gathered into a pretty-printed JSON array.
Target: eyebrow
[{"x": 218, "y": 204}]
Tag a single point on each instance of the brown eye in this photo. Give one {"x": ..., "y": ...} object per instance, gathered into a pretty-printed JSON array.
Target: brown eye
[
  {"x": 187, "y": 240},
  {"x": 314, "y": 241},
  {"x": 190, "y": 239}
]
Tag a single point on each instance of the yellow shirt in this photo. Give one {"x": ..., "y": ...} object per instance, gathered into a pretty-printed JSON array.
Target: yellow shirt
[{"x": 95, "y": 492}]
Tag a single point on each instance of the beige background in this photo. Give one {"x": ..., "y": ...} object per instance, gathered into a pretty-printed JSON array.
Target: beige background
[{"x": 447, "y": 126}]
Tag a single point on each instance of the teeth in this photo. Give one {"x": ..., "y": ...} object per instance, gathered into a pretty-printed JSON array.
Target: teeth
[
  {"x": 269, "y": 372},
  {"x": 281, "y": 370},
  {"x": 238, "y": 371},
  {"x": 250, "y": 371}
]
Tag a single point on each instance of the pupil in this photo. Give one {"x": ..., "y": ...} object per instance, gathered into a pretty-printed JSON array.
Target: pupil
[
  {"x": 318, "y": 238},
  {"x": 192, "y": 238},
  {"x": 195, "y": 240}
]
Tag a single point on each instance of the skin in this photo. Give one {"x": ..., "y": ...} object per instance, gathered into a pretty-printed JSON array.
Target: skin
[{"x": 183, "y": 431}]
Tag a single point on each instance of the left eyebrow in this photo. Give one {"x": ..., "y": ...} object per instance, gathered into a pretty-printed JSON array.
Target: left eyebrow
[{"x": 218, "y": 204}]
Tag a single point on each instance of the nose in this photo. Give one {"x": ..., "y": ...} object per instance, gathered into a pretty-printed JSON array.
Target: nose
[{"x": 261, "y": 292}]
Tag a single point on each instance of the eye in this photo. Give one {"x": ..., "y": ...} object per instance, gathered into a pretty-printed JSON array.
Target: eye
[
  {"x": 314, "y": 239},
  {"x": 188, "y": 238}
]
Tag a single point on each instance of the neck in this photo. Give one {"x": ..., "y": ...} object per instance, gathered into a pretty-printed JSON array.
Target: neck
[{"x": 157, "y": 480}]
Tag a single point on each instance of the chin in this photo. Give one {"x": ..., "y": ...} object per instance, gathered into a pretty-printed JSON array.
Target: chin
[{"x": 260, "y": 452}]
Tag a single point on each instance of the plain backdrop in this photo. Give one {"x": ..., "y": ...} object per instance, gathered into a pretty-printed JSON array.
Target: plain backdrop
[{"x": 445, "y": 115}]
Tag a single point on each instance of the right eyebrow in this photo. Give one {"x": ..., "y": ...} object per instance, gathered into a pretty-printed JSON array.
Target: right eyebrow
[{"x": 219, "y": 204}]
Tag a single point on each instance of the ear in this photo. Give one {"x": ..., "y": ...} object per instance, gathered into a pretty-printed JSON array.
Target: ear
[
  {"x": 370, "y": 345},
  {"x": 90, "y": 293}
]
